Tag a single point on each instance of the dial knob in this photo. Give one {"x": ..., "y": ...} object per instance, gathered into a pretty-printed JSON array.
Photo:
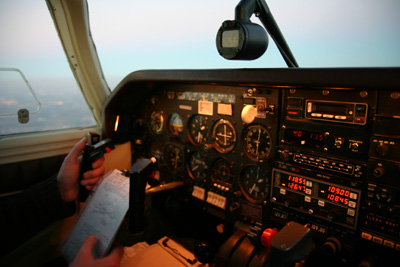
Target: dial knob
[
  {"x": 378, "y": 172},
  {"x": 332, "y": 215},
  {"x": 331, "y": 246},
  {"x": 382, "y": 149},
  {"x": 284, "y": 156},
  {"x": 204, "y": 252}
]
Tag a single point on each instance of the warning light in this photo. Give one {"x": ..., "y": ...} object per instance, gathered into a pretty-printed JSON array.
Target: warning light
[{"x": 116, "y": 124}]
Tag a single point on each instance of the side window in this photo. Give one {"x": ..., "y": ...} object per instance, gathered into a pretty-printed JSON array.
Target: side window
[{"x": 38, "y": 91}]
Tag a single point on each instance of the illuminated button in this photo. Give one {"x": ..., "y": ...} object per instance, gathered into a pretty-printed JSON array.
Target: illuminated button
[
  {"x": 318, "y": 115},
  {"x": 340, "y": 117},
  {"x": 309, "y": 183},
  {"x": 198, "y": 192},
  {"x": 377, "y": 240},
  {"x": 352, "y": 204},
  {"x": 308, "y": 191},
  {"x": 328, "y": 116},
  {"x": 309, "y": 107},
  {"x": 282, "y": 191},
  {"x": 359, "y": 119},
  {"x": 321, "y": 203},
  {"x": 351, "y": 212},
  {"x": 366, "y": 236},
  {"x": 353, "y": 195},
  {"x": 307, "y": 199},
  {"x": 294, "y": 113},
  {"x": 388, "y": 243}
]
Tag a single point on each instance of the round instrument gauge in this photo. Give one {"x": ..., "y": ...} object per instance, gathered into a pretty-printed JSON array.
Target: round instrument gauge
[
  {"x": 254, "y": 183},
  {"x": 173, "y": 157},
  {"x": 222, "y": 171},
  {"x": 156, "y": 122},
  {"x": 197, "y": 130},
  {"x": 223, "y": 136},
  {"x": 175, "y": 124},
  {"x": 198, "y": 167},
  {"x": 257, "y": 142}
]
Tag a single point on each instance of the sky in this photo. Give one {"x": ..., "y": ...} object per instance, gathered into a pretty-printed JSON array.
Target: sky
[
  {"x": 131, "y": 35},
  {"x": 181, "y": 33}
]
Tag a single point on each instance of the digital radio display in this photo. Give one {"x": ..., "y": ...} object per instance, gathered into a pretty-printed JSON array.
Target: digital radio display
[
  {"x": 294, "y": 182},
  {"x": 336, "y": 194},
  {"x": 329, "y": 108},
  {"x": 305, "y": 138}
]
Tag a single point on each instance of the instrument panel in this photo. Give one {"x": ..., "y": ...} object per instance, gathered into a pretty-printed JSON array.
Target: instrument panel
[
  {"x": 198, "y": 133},
  {"x": 273, "y": 146}
]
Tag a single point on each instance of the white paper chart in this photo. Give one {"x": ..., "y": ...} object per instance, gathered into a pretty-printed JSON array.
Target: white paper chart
[{"x": 102, "y": 215}]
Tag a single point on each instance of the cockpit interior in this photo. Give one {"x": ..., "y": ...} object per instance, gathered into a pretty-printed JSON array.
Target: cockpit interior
[{"x": 252, "y": 166}]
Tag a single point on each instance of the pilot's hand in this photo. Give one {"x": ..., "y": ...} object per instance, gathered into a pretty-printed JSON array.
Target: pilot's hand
[
  {"x": 68, "y": 175},
  {"x": 85, "y": 258}
]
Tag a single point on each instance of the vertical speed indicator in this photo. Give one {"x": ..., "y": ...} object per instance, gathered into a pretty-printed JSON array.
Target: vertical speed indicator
[{"x": 257, "y": 142}]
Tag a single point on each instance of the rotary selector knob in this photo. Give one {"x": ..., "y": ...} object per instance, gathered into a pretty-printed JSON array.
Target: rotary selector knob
[
  {"x": 331, "y": 246},
  {"x": 382, "y": 149}
]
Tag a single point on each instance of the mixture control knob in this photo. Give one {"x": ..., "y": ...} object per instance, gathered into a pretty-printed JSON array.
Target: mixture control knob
[{"x": 266, "y": 237}]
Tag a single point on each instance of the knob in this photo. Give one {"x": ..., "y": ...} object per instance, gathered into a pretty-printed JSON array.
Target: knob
[
  {"x": 266, "y": 237},
  {"x": 332, "y": 215},
  {"x": 249, "y": 113},
  {"x": 290, "y": 201},
  {"x": 331, "y": 246},
  {"x": 382, "y": 149},
  {"x": 284, "y": 156},
  {"x": 204, "y": 252},
  {"x": 378, "y": 172}
]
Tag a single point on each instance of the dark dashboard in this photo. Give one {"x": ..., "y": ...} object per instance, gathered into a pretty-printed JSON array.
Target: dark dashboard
[{"x": 264, "y": 147}]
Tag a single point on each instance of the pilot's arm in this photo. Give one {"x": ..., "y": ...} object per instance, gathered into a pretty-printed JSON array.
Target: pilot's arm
[{"x": 24, "y": 215}]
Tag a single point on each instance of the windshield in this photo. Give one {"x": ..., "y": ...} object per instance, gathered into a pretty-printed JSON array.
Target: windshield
[{"x": 180, "y": 34}]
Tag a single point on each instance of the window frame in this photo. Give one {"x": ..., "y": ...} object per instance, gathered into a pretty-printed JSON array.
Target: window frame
[{"x": 71, "y": 20}]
